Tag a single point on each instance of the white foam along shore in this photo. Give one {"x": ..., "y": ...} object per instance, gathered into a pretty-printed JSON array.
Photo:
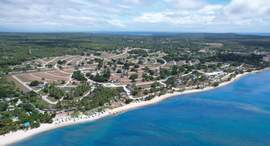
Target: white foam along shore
[{"x": 20, "y": 135}]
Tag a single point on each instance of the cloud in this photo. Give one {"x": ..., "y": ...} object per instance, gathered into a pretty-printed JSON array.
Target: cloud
[
  {"x": 202, "y": 16},
  {"x": 245, "y": 9},
  {"x": 116, "y": 23},
  {"x": 138, "y": 2},
  {"x": 187, "y": 4}
]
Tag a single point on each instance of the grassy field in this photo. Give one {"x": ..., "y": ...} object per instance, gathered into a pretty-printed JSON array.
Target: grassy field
[
  {"x": 18, "y": 84},
  {"x": 52, "y": 99}
]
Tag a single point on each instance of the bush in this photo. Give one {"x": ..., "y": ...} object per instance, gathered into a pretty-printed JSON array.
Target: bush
[
  {"x": 216, "y": 84},
  {"x": 34, "y": 83},
  {"x": 100, "y": 109},
  {"x": 128, "y": 101}
]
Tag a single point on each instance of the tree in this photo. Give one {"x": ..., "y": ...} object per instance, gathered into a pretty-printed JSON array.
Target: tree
[
  {"x": 34, "y": 83},
  {"x": 63, "y": 82},
  {"x": 49, "y": 65},
  {"x": 136, "y": 66},
  {"x": 145, "y": 92},
  {"x": 216, "y": 84},
  {"x": 133, "y": 76},
  {"x": 128, "y": 101},
  {"x": 119, "y": 71}
]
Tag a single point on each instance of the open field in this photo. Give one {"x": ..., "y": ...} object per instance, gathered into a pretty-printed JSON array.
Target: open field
[{"x": 18, "y": 84}]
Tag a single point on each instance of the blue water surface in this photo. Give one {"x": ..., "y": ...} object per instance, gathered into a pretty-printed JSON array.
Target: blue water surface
[{"x": 237, "y": 114}]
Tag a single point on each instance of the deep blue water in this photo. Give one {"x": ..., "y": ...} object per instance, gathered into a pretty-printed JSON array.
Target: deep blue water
[{"x": 237, "y": 114}]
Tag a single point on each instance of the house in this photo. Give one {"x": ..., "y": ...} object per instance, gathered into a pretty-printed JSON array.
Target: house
[
  {"x": 27, "y": 124},
  {"x": 152, "y": 62},
  {"x": 238, "y": 68},
  {"x": 124, "y": 72},
  {"x": 266, "y": 58},
  {"x": 122, "y": 76},
  {"x": 122, "y": 93},
  {"x": 129, "y": 86},
  {"x": 88, "y": 83},
  {"x": 40, "y": 86},
  {"x": 10, "y": 107},
  {"x": 25, "y": 93},
  {"x": 156, "y": 74},
  {"x": 193, "y": 77},
  {"x": 99, "y": 85},
  {"x": 178, "y": 80},
  {"x": 45, "y": 109},
  {"x": 71, "y": 109},
  {"x": 106, "y": 104},
  {"x": 14, "y": 119},
  {"x": 141, "y": 59},
  {"x": 65, "y": 90},
  {"x": 117, "y": 81},
  {"x": 7, "y": 99},
  {"x": 111, "y": 80}
]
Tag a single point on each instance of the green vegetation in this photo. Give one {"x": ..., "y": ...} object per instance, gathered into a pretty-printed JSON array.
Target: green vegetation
[
  {"x": 34, "y": 83},
  {"x": 78, "y": 76}
]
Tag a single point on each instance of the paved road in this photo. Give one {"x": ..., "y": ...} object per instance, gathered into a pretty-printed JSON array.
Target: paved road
[{"x": 49, "y": 61}]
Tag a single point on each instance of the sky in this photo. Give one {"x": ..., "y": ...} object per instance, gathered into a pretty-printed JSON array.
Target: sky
[{"x": 135, "y": 15}]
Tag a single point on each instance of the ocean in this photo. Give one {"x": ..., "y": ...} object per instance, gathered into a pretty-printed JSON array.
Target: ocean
[{"x": 237, "y": 114}]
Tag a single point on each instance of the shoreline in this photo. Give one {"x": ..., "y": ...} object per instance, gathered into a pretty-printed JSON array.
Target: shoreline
[{"x": 21, "y": 135}]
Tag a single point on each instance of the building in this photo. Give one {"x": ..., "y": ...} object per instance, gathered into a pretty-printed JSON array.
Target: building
[
  {"x": 122, "y": 93},
  {"x": 25, "y": 93},
  {"x": 129, "y": 86},
  {"x": 27, "y": 124},
  {"x": 14, "y": 119},
  {"x": 7, "y": 99},
  {"x": 193, "y": 77},
  {"x": 266, "y": 58},
  {"x": 40, "y": 86},
  {"x": 156, "y": 74},
  {"x": 124, "y": 72},
  {"x": 65, "y": 90},
  {"x": 178, "y": 80}
]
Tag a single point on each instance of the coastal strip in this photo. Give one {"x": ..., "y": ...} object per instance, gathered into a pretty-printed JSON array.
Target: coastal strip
[{"x": 20, "y": 135}]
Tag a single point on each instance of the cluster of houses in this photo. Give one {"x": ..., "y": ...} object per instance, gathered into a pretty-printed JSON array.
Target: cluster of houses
[
  {"x": 120, "y": 100},
  {"x": 266, "y": 59}
]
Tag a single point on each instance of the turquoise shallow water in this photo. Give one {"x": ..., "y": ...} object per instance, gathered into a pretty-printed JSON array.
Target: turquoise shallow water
[{"x": 237, "y": 114}]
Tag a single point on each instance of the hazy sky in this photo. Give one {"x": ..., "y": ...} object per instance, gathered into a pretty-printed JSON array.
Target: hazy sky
[{"x": 135, "y": 15}]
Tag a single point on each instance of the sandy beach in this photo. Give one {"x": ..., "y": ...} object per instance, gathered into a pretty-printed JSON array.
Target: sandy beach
[{"x": 20, "y": 135}]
